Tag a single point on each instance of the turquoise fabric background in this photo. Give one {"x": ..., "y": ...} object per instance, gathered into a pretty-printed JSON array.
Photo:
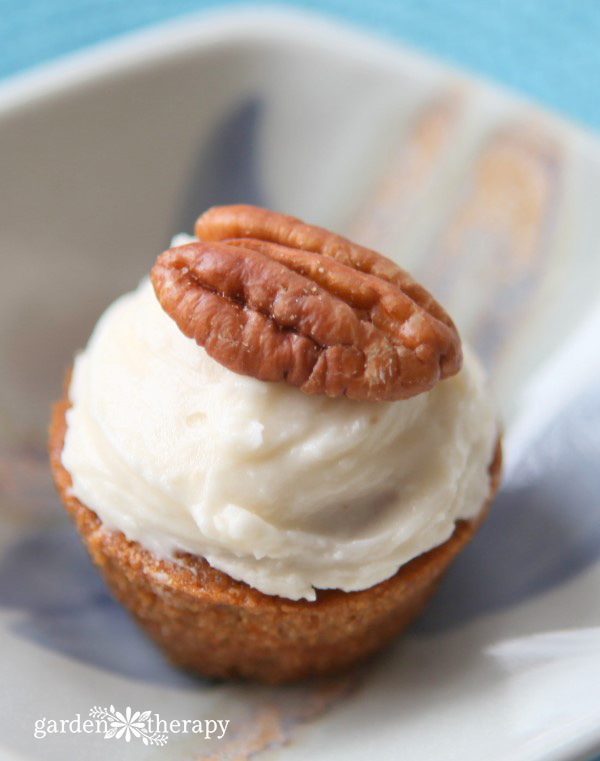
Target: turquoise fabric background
[{"x": 547, "y": 49}]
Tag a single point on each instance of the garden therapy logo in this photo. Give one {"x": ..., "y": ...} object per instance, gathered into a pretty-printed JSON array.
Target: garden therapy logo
[{"x": 130, "y": 725}]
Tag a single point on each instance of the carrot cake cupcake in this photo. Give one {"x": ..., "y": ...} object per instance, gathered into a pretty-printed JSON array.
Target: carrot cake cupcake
[{"x": 273, "y": 448}]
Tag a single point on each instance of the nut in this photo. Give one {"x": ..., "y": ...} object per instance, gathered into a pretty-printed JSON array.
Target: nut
[{"x": 271, "y": 297}]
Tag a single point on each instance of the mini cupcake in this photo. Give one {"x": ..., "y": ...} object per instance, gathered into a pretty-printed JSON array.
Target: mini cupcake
[{"x": 273, "y": 448}]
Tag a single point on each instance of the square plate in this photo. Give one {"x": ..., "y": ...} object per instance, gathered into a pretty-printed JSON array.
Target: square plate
[{"x": 494, "y": 205}]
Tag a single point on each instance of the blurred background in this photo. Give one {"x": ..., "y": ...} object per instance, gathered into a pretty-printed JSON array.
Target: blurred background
[{"x": 546, "y": 49}]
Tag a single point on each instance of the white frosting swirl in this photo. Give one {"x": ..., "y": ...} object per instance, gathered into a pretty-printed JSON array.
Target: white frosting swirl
[{"x": 284, "y": 491}]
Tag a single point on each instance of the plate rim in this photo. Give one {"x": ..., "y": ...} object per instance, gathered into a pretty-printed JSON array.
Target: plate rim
[{"x": 238, "y": 23}]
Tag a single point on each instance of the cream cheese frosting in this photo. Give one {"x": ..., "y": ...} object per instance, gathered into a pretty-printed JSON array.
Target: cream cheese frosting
[{"x": 284, "y": 491}]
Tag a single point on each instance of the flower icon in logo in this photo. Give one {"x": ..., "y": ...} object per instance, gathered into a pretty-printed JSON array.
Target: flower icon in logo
[{"x": 128, "y": 725}]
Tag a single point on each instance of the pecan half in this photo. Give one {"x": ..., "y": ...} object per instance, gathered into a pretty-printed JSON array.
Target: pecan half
[{"x": 271, "y": 297}]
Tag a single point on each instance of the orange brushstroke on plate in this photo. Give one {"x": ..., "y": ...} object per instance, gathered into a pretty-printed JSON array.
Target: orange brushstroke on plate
[
  {"x": 383, "y": 218},
  {"x": 489, "y": 257},
  {"x": 272, "y": 724}
]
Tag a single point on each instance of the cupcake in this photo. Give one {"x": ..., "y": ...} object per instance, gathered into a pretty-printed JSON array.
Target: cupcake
[{"x": 273, "y": 448}]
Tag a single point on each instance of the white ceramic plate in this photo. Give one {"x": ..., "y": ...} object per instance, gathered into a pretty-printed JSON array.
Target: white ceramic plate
[{"x": 492, "y": 203}]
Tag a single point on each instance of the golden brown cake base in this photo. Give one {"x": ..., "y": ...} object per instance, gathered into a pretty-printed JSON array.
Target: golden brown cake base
[{"x": 207, "y": 622}]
